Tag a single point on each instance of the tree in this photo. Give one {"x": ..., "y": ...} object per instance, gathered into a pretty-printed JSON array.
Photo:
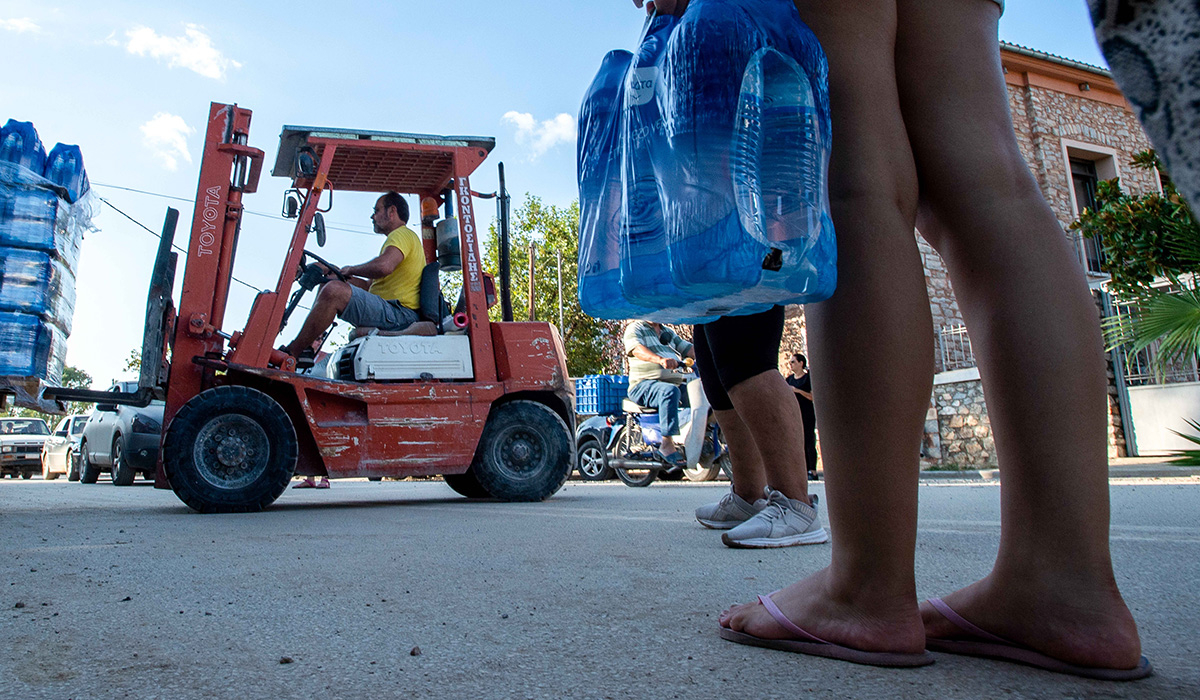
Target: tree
[
  {"x": 1148, "y": 240},
  {"x": 73, "y": 378},
  {"x": 551, "y": 230},
  {"x": 133, "y": 363}
]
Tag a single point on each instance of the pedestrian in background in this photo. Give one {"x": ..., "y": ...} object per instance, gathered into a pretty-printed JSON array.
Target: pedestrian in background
[{"x": 801, "y": 384}]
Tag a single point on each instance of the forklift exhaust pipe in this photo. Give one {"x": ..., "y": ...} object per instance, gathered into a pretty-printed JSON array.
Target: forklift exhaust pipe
[{"x": 502, "y": 201}]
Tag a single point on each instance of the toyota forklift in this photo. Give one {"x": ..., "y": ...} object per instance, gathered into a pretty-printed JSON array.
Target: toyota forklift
[{"x": 486, "y": 405}]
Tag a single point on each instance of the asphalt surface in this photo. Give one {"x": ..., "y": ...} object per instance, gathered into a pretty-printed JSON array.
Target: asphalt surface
[{"x": 403, "y": 589}]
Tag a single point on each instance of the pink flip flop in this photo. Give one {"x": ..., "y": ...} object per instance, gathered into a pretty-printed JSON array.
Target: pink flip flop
[
  {"x": 988, "y": 645},
  {"x": 307, "y": 483},
  {"x": 815, "y": 646}
]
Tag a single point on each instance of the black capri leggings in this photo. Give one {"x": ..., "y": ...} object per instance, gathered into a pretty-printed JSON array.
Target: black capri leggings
[{"x": 732, "y": 349}]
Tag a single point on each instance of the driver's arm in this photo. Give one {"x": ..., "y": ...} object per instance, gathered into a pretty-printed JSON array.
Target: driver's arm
[
  {"x": 380, "y": 266},
  {"x": 643, "y": 353}
]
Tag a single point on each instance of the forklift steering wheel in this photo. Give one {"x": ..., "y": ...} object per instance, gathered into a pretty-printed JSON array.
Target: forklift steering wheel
[{"x": 334, "y": 268}]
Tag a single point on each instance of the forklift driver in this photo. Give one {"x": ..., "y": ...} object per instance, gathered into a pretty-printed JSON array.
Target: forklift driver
[{"x": 381, "y": 293}]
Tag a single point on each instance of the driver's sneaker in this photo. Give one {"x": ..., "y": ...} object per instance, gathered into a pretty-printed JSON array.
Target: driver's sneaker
[
  {"x": 732, "y": 510},
  {"x": 783, "y": 522}
]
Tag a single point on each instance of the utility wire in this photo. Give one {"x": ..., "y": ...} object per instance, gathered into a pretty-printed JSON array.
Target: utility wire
[
  {"x": 330, "y": 227},
  {"x": 158, "y": 235}
]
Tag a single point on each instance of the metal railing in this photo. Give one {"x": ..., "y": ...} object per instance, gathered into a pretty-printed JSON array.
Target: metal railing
[{"x": 954, "y": 349}]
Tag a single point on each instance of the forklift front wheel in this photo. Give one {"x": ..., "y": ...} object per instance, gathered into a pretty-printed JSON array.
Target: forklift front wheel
[
  {"x": 525, "y": 453},
  {"x": 230, "y": 449}
]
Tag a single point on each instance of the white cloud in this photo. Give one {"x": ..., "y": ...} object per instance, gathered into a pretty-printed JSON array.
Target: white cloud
[
  {"x": 194, "y": 50},
  {"x": 541, "y": 137},
  {"x": 22, "y": 24},
  {"x": 166, "y": 135}
]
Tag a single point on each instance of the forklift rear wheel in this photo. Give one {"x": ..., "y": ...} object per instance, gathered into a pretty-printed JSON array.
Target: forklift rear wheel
[
  {"x": 230, "y": 449},
  {"x": 525, "y": 453},
  {"x": 90, "y": 471},
  {"x": 122, "y": 473},
  {"x": 466, "y": 484}
]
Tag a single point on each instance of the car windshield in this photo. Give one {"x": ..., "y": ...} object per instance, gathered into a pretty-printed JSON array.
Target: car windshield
[
  {"x": 25, "y": 426},
  {"x": 77, "y": 426}
]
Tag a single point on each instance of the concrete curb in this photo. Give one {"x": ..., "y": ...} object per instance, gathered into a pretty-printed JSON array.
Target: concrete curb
[{"x": 1123, "y": 471}]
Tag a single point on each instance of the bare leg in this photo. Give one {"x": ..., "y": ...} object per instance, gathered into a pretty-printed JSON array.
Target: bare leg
[
  {"x": 331, "y": 301},
  {"x": 771, "y": 416},
  {"x": 874, "y": 342},
  {"x": 749, "y": 479},
  {"x": 1024, "y": 298}
]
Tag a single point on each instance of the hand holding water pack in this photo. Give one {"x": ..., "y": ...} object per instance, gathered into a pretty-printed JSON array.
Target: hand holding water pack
[{"x": 702, "y": 168}]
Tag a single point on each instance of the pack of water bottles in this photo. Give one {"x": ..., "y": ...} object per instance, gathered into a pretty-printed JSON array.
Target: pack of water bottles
[
  {"x": 44, "y": 211},
  {"x": 702, "y": 168}
]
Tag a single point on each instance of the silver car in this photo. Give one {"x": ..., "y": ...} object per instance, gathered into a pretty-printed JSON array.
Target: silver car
[
  {"x": 60, "y": 453},
  {"x": 21, "y": 442},
  {"x": 121, "y": 440}
]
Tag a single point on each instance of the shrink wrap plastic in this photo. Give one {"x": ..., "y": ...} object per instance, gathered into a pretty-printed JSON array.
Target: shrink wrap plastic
[
  {"x": 45, "y": 209},
  {"x": 702, "y": 168}
]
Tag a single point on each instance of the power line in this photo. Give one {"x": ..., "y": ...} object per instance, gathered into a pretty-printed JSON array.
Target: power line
[
  {"x": 173, "y": 245},
  {"x": 328, "y": 227}
]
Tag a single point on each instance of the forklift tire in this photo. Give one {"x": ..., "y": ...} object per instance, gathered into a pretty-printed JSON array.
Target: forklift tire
[
  {"x": 230, "y": 449},
  {"x": 525, "y": 453},
  {"x": 90, "y": 471},
  {"x": 122, "y": 473},
  {"x": 466, "y": 484}
]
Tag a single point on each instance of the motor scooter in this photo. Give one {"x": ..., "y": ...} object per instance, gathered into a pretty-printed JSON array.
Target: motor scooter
[{"x": 632, "y": 449}]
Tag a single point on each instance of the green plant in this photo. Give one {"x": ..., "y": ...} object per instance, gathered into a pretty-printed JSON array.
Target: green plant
[
  {"x": 1188, "y": 458},
  {"x": 1151, "y": 246}
]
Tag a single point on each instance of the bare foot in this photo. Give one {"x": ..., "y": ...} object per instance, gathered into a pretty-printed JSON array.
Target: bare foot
[
  {"x": 1070, "y": 623},
  {"x": 860, "y": 619}
]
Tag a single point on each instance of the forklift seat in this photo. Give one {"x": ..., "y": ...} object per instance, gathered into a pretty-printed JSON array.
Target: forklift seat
[{"x": 433, "y": 306}]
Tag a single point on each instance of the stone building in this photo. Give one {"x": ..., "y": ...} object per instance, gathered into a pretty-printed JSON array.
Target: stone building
[{"x": 1074, "y": 128}]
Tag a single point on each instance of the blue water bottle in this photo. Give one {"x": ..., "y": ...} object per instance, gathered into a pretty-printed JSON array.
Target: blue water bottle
[
  {"x": 645, "y": 268},
  {"x": 600, "y": 193},
  {"x": 19, "y": 143},
  {"x": 64, "y": 167}
]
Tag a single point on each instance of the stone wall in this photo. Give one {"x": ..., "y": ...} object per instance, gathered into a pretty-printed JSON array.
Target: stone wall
[{"x": 964, "y": 431}]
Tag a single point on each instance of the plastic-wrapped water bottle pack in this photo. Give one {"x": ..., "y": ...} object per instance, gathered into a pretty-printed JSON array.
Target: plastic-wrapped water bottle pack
[
  {"x": 702, "y": 168},
  {"x": 44, "y": 211}
]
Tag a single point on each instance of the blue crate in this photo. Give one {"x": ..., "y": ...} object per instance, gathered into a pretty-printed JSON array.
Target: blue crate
[{"x": 600, "y": 394}]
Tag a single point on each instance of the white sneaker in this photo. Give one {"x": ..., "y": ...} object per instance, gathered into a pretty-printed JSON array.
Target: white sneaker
[
  {"x": 732, "y": 510},
  {"x": 784, "y": 522}
]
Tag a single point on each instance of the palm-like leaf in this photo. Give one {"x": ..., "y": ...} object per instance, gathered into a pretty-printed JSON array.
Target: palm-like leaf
[{"x": 1188, "y": 458}]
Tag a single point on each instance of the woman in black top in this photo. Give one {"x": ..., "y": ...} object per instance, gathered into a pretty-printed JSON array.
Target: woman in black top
[{"x": 802, "y": 386}]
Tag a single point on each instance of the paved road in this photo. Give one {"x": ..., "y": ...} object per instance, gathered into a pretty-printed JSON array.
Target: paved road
[{"x": 602, "y": 592}]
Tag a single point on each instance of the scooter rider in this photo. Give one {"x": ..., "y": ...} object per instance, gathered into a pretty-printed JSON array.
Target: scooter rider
[{"x": 654, "y": 352}]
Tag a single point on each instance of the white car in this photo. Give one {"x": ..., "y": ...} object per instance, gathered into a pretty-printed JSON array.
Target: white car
[
  {"x": 60, "y": 453},
  {"x": 21, "y": 442}
]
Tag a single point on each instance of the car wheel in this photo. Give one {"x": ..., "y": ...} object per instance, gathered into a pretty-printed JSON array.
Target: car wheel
[
  {"x": 72, "y": 466},
  {"x": 89, "y": 471},
  {"x": 26, "y": 474},
  {"x": 466, "y": 484},
  {"x": 525, "y": 452},
  {"x": 122, "y": 473},
  {"x": 230, "y": 449},
  {"x": 47, "y": 475},
  {"x": 592, "y": 461}
]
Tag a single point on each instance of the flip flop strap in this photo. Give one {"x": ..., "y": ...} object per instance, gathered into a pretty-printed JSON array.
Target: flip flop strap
[
  {"x": 784, "y": 622},
  {"x": 962, "y": 623}
]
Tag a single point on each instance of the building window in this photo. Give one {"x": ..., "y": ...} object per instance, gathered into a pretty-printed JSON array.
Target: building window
[{"x": 1084, "y": 180}]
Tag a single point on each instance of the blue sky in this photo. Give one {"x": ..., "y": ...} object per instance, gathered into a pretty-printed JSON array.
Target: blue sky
[{"x": 131, "y": 83}]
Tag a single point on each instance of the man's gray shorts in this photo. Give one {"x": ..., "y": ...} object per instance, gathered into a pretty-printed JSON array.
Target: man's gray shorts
[{"x": 369, "y": 310}]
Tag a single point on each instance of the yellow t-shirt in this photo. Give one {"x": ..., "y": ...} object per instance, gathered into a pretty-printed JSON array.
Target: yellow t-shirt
[{"x": 404, "y": 283}]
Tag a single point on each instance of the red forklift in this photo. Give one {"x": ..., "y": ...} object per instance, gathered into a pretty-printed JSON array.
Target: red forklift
[{"x": 489, "y": 406}]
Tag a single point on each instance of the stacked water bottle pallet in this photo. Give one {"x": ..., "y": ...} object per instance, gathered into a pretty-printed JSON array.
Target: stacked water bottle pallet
[{"x": 44, "y": 211}]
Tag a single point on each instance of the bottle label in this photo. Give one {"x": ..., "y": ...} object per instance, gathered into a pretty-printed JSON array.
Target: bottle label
[{"x": 641, "y": 85}]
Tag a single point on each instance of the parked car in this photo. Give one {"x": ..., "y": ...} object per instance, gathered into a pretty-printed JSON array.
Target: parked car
[
  {"x": 121, "y": 440},
  {"x": 61, "y": 449},
  {"x": 21, "y": 445}
]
